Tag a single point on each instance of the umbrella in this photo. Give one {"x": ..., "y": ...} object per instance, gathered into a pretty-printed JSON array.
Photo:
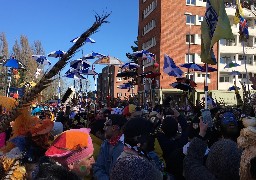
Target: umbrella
[
  {"x": 127, "y": 74},
  {"x": 90, "y": 40},
  {"x": 142, "y": 53},
  {"x": 130, "y": 65},
  {"x": 181, "y": 86},
  {"x": 14, "y": 63},
  {"x": 56, "y": 54},
  {"x": 233, "y": 88},
  {"x": 187, "y": 81},
  {"x": 88, "y": 72},
  {"x": 74, "y": 75},
  {"x": 125, "y": 86},
  {"x": 231, "y": 65},
  {"x": 191, "y": 66},
  {"x": 234, "y": 73},
  {"x": 150, "y": 74},
  {"x": 79, "y": 64},
  {"x": 40, "y": 59},
  {"x": 210, "y": 69},
  {"x": 108, "y": 60},
  {"x": 92, "y": 55}
]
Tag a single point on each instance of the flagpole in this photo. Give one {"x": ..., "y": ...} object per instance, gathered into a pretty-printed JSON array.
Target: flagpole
[
  {"x": 206, "y": 86},
  {"x": 245, "y": 66}
]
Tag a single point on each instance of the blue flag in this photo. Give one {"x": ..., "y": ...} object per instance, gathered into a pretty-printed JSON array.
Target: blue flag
[{"x": 170, "y": 67}]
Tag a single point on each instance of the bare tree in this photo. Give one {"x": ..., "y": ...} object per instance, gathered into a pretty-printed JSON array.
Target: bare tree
[{"x": 3, "y": 57}]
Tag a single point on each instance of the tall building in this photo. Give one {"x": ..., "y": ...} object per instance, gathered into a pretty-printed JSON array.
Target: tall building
[
  {"x": 174, "y": 28},
  {"x": 108, "y": 85},
  {"x": 233, "y": 50}
]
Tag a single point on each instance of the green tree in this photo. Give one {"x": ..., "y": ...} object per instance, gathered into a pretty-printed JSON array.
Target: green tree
[{"x": 134, "y": 49}]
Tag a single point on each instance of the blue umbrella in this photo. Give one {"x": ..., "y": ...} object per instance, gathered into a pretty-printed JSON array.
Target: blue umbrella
[
  {"x": 90, "y": 40},
  {"x": 73, "y": 75},
  {"x": 93, "y": 55},
  {"x": 40, "y": 59},
  {"x": 142, "y": 53},
  {"x": 231, "y": 65},
  {"x": 181, "y": 86},
  {"x": 88, "y": 72},
  {"x": 79, "y": 64},
  {"x": 130, "y": 65},
  {"x": 125, "y": 86},
  {"x": 233, "y": 88},
  {"x": 14, "y": 63},
  {"x": 234, "y": 73},
  {"x": 56, "y": 54},
  {"x": 192, "y": 66}
]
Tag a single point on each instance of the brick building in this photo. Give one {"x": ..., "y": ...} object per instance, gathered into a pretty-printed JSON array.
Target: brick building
[
  {"x": 108, "y": 83},
  {"x": 164, "y": 28}
]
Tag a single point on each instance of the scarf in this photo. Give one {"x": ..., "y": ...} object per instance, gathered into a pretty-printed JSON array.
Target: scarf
[{"x": 114, "y": 140}]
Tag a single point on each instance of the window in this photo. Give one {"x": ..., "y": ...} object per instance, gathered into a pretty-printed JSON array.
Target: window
[
  {"x": 190, "y": 19},
  {"x": 242, "y": 76},
  {"x": 191, "y": 2},
  {"x": 192, "y": 39},
  {"x": 190, "y": 76},
  {"x": 119, "y": 79},
  {"x": 150, "y": 8},
  {"x": 224, "y": 79},
  {"x": 200, "y": 18},
  {"x": 190, "y": 58},
  {"x": 119, "y": 94},
  {"x": 241, "y": 57},
  {"x": 149, "y": 27},
  {"x": 149, "y": 44}
]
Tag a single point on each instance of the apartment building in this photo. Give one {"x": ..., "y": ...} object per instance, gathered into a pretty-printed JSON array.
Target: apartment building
[
  {"x": 174, "y": 28},
  {"x": 108, "y": 85},
  {"x": 233, "y": 50}
]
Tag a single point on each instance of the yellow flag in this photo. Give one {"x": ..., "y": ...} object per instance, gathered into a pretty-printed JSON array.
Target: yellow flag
[
  {"x": 214, "y": 27},
  {"x": 239, "y": 12}
]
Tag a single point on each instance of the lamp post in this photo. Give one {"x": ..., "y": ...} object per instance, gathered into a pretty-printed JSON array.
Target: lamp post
[{"x": 187, "y": 14}]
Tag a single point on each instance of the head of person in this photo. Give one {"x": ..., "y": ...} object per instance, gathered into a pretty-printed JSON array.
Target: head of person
[
  {"x": 97, "y": 129},
  {"x": 224, "y": 160},
  {"x": 138, "y": 135},
  {"x": 229, "y": 125},
  {"x": 73, "y": 149},
  {"x": 170, "y": 127},
  {"x": 114, "y": 125},
  {"x": 134, "y": 167}
]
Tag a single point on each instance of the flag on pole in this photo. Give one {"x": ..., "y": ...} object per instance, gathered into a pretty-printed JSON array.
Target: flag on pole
[
  {"x": 239, "y": 12},
  {"x": 214, "y": 27},
  {"x": 170, "y": 67},
  {"x": 239, "y": 18}
]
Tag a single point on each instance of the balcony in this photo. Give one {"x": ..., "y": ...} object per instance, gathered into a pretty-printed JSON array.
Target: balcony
[{"x": 236, "y": 49}]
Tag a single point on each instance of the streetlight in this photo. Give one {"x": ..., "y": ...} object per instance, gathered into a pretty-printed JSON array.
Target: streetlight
[{"x": 189, "y": 34}]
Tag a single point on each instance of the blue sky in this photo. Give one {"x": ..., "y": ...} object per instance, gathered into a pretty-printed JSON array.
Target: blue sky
[{"x": 56, "y": 22}]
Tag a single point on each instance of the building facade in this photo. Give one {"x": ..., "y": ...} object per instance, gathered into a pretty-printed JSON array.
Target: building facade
[
  {"x": 174, "y": 28},
  {"x": 108, "y": 85}
]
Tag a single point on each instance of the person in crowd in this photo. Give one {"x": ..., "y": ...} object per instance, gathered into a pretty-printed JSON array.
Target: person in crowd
[
  {"x": 97, "y": 135},
  {"x": 222, "y": 162},
  {"x": 172, "y": 141},
  {"x": 139, "y": 141},
  {"x": 111, "y": 148},
  {"x": 73, "y": 149},
  {"x": 133, "y": 168}
]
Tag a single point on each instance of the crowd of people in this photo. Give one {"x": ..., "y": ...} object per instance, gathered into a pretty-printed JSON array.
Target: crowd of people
[{"x": 119, "y": 143}]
